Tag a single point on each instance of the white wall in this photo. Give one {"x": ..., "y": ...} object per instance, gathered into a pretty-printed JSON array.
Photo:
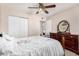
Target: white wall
[
  {"x": 0, "y": 18},
  {"x": 71, "y": 15},
  {"x": 34, "y": 25}
]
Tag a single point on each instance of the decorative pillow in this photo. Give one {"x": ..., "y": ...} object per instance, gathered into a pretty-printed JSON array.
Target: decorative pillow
[{"x": 8, "y": 37}]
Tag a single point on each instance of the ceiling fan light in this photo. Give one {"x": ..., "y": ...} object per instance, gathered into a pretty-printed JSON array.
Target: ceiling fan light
[{"x": 40, "y": 9}]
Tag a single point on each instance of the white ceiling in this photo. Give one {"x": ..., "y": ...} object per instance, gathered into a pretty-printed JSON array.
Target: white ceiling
[{"x": 24, "y": 7}]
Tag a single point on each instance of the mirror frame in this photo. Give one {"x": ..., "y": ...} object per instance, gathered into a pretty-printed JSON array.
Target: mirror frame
[{"x": 67, "y": 29}]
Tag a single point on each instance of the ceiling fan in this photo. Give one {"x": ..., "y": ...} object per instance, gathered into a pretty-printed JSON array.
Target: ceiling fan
[{"x": 42, "y": 7}]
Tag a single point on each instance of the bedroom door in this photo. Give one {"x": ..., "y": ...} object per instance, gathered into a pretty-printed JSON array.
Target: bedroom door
[
  {"x": 17, "y": 26},
  {"x": 43, "y": 27}
]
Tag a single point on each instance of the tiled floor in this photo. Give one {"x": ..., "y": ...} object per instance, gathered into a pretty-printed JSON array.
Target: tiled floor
[{"x": 69, "y": 53}]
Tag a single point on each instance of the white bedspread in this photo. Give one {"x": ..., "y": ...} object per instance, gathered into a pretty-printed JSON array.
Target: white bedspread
[{"x": 35, "y": 46}]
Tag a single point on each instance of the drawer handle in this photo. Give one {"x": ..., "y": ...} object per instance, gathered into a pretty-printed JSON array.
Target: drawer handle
[{"x": 71, "y": 36}]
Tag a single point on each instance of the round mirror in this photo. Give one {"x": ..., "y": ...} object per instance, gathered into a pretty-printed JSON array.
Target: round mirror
[{"x": 63, "y": 26}]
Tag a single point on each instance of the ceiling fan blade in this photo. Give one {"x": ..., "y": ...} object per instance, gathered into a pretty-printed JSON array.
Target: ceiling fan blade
[
  {"x": 50, "y": 6},
  {"x": 37, "y": 12},
  {"x": 40, "y": 4},
  {"x": 46, "y": 11},
  {"x": 33, "y": 7}
]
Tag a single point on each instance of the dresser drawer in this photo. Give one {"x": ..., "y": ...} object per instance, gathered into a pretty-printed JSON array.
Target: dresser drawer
[
  {"x": 53, "y": 35},
  {"x": 70, "y": 42},
  {"x": 69, "y": 45},
  {"x": 74, "y": 37}
]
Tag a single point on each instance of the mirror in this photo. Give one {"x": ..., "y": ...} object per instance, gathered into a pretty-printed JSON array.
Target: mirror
[{"x": 63, "y": 27}]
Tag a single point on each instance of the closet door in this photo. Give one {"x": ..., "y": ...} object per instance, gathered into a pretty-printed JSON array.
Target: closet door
[{"x": 17, "y": 26}]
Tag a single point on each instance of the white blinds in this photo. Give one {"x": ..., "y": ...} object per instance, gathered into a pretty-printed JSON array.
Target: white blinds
[{"x": 17, "y": 26}]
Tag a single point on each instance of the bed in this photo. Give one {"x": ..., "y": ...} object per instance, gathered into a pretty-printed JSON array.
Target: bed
[{"x": 30, "y": 46}]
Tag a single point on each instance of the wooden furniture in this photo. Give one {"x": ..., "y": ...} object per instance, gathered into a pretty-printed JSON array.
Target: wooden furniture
[{"x": 68, "y": 41}]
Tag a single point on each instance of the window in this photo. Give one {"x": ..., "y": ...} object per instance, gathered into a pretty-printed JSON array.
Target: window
[{"x": 17, "y": 26}]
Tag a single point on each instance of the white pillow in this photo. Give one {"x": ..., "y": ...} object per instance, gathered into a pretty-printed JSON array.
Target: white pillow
[{"x": 8, "y": 37}]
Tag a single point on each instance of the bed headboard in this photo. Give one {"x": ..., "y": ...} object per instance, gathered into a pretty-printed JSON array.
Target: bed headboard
[{"x": 1, "y": 35}]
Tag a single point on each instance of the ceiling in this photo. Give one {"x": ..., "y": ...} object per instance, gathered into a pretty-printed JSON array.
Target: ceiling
[{"x": 24, "y": 7}]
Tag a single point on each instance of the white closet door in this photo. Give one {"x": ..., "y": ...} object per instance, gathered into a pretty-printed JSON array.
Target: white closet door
[{"x": 17, "y": 26}]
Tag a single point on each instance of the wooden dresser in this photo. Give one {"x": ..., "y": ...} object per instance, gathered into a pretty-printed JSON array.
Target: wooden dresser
[{"x": 71, "y": 42}]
